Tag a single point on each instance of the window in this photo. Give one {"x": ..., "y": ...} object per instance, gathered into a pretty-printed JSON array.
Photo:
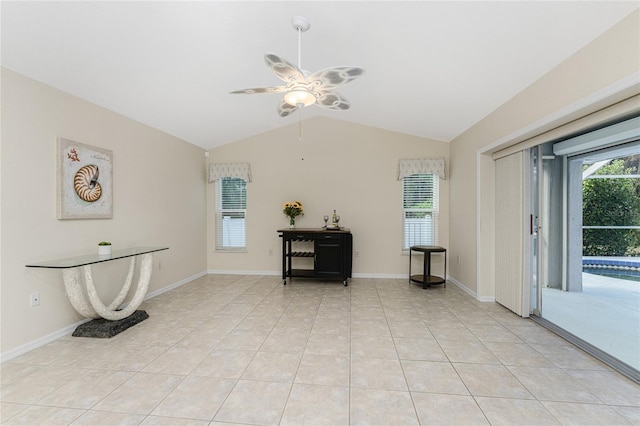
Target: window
[
  {"x": 231, "y": 211},
  {"x": 420, "y": 210}
]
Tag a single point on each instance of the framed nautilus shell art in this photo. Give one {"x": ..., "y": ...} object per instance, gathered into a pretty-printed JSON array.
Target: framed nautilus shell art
[{"x": 85, "y": 181}]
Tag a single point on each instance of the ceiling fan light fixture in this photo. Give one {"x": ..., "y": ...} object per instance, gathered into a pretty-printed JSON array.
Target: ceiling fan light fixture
[
  {"x": 300, "y": 97},
  {"x": 302, "y": 88}
]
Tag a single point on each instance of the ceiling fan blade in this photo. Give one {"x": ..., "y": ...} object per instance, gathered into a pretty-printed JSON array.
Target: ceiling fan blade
[
  {"x": 329, "y": 99},
  {"x": 285, "y": 109},
  {"x": 336, "y": 76},
  {"x": 283, "y": 69},
  {"x": 274, "y": 89}
]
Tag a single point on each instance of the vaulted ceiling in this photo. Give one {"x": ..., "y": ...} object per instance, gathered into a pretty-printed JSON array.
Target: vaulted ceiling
[{"x": 433, "y": 68}]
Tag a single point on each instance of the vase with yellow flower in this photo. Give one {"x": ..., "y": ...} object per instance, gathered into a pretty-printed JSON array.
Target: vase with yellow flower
[{"x": 291, "y": 210}]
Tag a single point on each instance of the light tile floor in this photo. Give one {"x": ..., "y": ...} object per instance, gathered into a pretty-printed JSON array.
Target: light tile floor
[{"x": 247, "y": 350}]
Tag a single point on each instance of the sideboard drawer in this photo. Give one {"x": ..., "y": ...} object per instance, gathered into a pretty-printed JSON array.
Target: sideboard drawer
[
  {"x": 322, "y": 237},
  {"x": 299, "y": 236}
]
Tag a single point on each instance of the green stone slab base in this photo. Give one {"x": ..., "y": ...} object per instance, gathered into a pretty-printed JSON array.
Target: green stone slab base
[{"x": 104, "y": 329}]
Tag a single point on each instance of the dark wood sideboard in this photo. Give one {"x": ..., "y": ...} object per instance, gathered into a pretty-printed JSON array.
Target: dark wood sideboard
[{"x": 329, "y": 253}]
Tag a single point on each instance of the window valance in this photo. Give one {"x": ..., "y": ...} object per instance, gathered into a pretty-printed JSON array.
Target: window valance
[
  {"x": 236, "y": 170},
  {"x": 416, "y": 166}
]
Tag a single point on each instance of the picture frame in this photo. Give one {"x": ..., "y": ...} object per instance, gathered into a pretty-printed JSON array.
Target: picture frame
[{"x": 84, "y": 181}]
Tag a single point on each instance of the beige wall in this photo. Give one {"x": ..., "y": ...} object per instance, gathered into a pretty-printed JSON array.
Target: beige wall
[
  {"x": 347, "y": 167},
  {"x": 160, "y": 186},
  {"x": 582, "y": 84},
  {"x": 159, "y": 199}
]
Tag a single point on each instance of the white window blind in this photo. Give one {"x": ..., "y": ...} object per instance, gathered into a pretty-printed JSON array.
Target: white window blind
[
  {"x": 231, "y": 211},
  {"x": 420, "y": 210}
]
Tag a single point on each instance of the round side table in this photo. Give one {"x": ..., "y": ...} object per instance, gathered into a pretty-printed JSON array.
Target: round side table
[{"x": 426, "y": 279}]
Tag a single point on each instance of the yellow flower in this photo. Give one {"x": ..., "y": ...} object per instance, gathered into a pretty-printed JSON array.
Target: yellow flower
[{"x": 293, "y": 209}]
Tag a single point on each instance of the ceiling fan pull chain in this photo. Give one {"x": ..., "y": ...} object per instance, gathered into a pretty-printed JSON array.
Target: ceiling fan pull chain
[{"x": 300, "y": 134}]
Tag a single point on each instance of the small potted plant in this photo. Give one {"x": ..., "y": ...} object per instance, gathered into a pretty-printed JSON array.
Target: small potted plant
[{"x": 104, "y": 248}]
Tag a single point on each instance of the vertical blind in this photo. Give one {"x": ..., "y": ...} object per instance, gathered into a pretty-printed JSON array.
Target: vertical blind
[
  {"x": 510, "y": 233},
  {"x": 231, "y": 211},
  {"x": 420, "y": 210}
]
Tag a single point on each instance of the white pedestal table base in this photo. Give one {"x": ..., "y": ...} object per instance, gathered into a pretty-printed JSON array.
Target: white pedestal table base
[{"x": 86, "y": 301}]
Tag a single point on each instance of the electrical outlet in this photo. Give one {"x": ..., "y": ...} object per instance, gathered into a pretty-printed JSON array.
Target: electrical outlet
[
  {"x": 357, "y": 253},
  {"x": 159, "y": 265},
  {"x": 270, "y": 252},
  {"x": 458, "y": 259},
  {"x": 35, "y": 299}
]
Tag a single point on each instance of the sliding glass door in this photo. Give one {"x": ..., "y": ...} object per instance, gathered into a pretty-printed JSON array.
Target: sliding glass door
[
  {"x": 545, "y": 223},
  {"x": 585, "y": 256}
]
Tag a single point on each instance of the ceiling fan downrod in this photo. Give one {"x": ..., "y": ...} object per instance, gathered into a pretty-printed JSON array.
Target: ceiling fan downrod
[{"x": 301, "y": 25}]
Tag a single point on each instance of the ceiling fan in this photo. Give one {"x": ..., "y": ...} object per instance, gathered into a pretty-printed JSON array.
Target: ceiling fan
[{"x": 302, "y": 88}]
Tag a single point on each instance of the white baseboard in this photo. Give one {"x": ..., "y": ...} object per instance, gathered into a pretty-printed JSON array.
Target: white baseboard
[
  {"x": 241, "y": 272},
  {"x": 175, "y": 285},
  {"x": 463, "y": 287},
  {"x": 471, "y": 292},
  {"x": 357, "y": 275},
  {"x": 41, "y": 341},
  {"x": 383, "y": 276},
  {"x": 354, "y": 275}
]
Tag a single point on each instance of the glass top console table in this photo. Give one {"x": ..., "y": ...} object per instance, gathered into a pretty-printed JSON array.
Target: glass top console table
[
  {"x": 85, "y": 299},
  {"x": 90, "y": 259}
]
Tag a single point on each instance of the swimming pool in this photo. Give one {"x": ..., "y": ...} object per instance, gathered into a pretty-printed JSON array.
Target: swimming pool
[
  {"x": 624, "y": 268},
  {"x": 614, "y": 273}
]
